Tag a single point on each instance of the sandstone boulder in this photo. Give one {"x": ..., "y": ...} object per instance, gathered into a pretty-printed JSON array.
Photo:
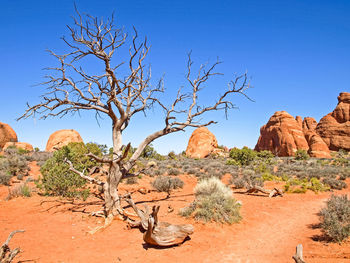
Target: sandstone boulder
[
  {"x": 22, "y": 145},
  {"x": 62, "y": 138},
  {"x": 334, "y": 128},
  {"x": 7, "y": 134},
  {"x": 202, "y": 143},
  {"x": 282, "y": 135}
]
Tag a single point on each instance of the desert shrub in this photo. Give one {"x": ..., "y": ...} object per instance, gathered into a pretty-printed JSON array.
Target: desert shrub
[
  {"x": 334, "y": 183},
  {"x": 214, "y": 202},
  {"x": 59, "y": 180},
  {"x": 36, "y": 149},
  {"x": 267, "y": 176},
  {"x": 265, "y": 155},
  {"x": 244, "y": 156},
  {"x": 238, "y": 182},
  {"x": 192, "y": 171},
  {"x": 173, "y": 171},
  {"x": 341, "y": 158},
  {"x": 5, "y": 178},
  {"x": 344, "y": 173},
  {"x": 295, "y": 185},
  {"x": 167, "y": 183},
  {"x": 41, "y": 157},
  {"x": 301, "y": 155},
  {"x": 19, "y": 190},
  {"x": 131, "y": 180},
  {"x": 335, "y": 218},
  {"x": 14, "y": 164},
  {"x": 172, "y": 155}
]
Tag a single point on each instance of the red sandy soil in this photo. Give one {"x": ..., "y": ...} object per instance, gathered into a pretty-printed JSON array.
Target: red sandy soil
[{"x": 56, "y": 230}]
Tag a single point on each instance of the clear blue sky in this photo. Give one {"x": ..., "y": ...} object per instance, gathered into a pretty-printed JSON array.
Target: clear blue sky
[{"x": 296, "y": 52}]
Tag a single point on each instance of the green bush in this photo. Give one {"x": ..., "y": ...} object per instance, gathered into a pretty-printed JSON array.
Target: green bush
[
  {"x": 214, "y": 202},
  {"x": 266, "y": 155},
  {"x": 301, "y": 155},
  {"x": 172, "y": 155},
  {"x": 244, "y": 156},
  {"x": 335, "y": 218},
  {"x": 297, "y": 186},
  {"x": 167, "y": 183},
  {"x": 59, "y": 180}
]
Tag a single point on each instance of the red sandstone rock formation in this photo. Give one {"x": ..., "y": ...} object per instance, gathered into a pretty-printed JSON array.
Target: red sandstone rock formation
[
  {"x": 61, "y": 138},
  {"x": 22, "y": 145},
  {"x": 334, "y": 128},
  {"x": 318, "y": 148},
  {"x": 282, "y": 135},
  {"x": 309, "y": 124},
  {"x": 7, "y": 134},
  {"x": 202, "y": 143}
]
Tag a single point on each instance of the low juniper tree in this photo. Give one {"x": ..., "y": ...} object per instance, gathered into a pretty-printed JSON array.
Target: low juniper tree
[{"x": 120, "y": 92}]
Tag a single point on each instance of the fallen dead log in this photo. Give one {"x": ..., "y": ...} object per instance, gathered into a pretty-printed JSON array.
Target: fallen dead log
[
  {"x": 271, "y": 193},
  {"x": 165, "y": 234},
  {"x": 6, "y": 254},
  {"x": 158, "y": 233},
  {"x": 298, "y": 257}
]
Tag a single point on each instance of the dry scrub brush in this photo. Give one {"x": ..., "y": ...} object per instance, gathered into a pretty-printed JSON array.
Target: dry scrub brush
[
  {"x": 213, "y": 202},
  {"x": 335, "y": 218}
]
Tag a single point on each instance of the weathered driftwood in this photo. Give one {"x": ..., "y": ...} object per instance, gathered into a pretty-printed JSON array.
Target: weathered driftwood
[
  {"x": 165, "y": 234},
  {"x": 271, "y": 193},
  {"x": 298, "y": 257},
  {"x": 158, "y": 233},
  {"x": 6, "y": 254}
]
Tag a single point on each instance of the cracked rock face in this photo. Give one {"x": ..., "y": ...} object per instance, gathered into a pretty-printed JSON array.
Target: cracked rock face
[
  {"x": 202, "y": 143},
  {"x": 62, "y": 138},
  {"x": 7, "y": 134}
]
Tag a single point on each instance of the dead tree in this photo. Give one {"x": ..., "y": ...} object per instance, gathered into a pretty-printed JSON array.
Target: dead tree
[
  {"x": 6, "y": 254},
  {"x": 298, "y": 257},
  {"x": 122, "y": 91}
]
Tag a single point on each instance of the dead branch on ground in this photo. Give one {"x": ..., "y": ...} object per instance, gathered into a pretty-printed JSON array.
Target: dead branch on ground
[
  {"x": 6, "y": 254},
  {"x": 158, "y": 233},
  {"x": 298, "y": 257},
  {"x": 271, "y": 193}
]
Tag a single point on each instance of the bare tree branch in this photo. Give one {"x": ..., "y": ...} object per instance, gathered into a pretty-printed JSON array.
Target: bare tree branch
[
  {"x": 82, "y": 175},
  {"x": 121, "y": 90}
]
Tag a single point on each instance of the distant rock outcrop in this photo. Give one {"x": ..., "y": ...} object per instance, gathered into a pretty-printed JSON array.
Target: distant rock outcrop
[
  {"x": 202, "y": 143},
  {"x": 7, "y": 134},
  {"x": 284, "y": 135},
  {"x": 22, "y": 145},
  {"x": 62, "y": 138},
  {"x": 334, "y": 128}
]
